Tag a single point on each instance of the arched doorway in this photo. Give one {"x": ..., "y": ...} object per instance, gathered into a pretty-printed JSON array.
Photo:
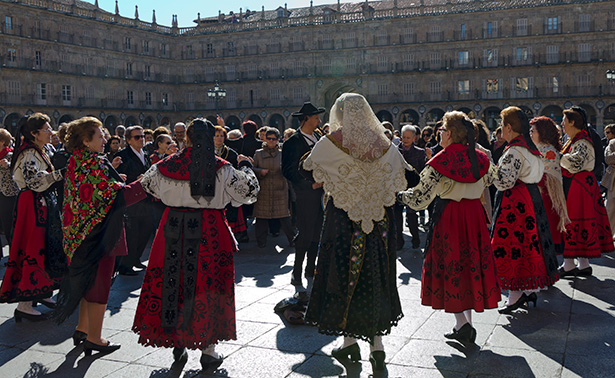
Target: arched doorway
[
  {"x": 210, "y": 118},
  {"x": 609, "y": 114},
  {"x": 277, "y": 121},
  {"x": 110, "y": 123},
  {"x": 528, "y": 112},
  {"x": 554, "y": 112},
  {"x": 433, "y": 116},
  {"x": 384, "y": 115},
  {"x": 131, "y": 121},
  {"x": 295, "y": 123},
  {"x": 165, "y": 122},
  {"x": 491, "y": 117},
  {"x": 409, "y": 116},
  {"x": 591, "y": 113},
  {"x": 233, "y": 122},
  {"x": 334, "y": 91},
  {"x": 469, "y": 112},
  {"x": 10, "y": 123},
  {"x": 256, "y": 119},
  {"x": 66, "y": 118},
  {"x": 148, "y": 123}
]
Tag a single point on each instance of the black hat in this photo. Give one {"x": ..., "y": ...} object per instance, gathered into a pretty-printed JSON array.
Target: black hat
[{"x": 307, "y": 110}]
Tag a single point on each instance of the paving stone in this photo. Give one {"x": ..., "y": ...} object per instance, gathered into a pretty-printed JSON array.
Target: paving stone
[
  {"x": 505, "y": 362},
  {"x": 298, "y": 339},
  {"x": 544, "y": 340},
  {"x": 262, "y": 362},
  {"x": 588, "y": 366},
  {"x": 437, "y": 354},
  {"x": 16, "y": 362},
  {"x": 259, "y": 312},
  {"x": 77, "y": 365},
  {"x": 598, "y": 345}
]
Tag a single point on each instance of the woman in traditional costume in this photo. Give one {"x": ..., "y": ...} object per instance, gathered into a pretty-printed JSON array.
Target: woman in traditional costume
[
  {"x": 521, "y": 237},
  {"x": 589, "y": 234},
  {"x": 459, "y": 272},
  {"x": 8, "y": 188},
  {"x": 36, "y": 259},
  {"x": 355, "y": 291},
  {"x": 93, "y": 226},
  {"x": 187, "y": 299},
  {"x": 546, "y": 136}
]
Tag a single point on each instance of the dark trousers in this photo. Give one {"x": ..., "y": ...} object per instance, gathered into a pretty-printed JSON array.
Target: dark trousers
[
  {"x": 309, "y": 225},
  {"x": 412, "y": 220},
  {"x": 138, "y": 231},
  {"x": 262, "y": 226},
  {"x": 7, "y": 209}
]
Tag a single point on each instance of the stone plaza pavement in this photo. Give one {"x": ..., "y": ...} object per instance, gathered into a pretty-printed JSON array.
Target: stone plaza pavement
[{"x": 570, "y": 333}]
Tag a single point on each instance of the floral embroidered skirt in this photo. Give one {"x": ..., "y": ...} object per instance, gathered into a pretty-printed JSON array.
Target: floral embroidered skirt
[
  {"x": 213, "y": 306},
  {"x": 25, "y": 278},
  {"x": 459, "y": 270},
  {"x": 521, "y": 240},
  {"x": 355, "y": 292},
  {"x": 235, "y": 218},
  {"x": 589, "y": 233}
]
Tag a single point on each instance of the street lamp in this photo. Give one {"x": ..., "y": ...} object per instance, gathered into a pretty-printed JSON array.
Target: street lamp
[
  {"x": 610, "y": 75},
  {"x": 216, "y": 94}
]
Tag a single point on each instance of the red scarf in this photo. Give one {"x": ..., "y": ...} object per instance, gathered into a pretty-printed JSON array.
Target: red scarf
[
  {"x": 580, "y": 135},
  {"x": 520, "y": 141},
  {"x": 5, "y": 151},
  {"x": 454, "y": 163},
  {"x": 176, "y": 166}
]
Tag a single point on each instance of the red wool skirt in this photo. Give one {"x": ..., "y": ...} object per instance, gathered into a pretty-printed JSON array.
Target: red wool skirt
[
  {"x": 25, "y": 278},
  {"x": 589, "y": 233},
  {"x": 239, "y": 224},
  {"x": 516, "y": 243},
  {"x": 213, "y": 315},
  {"x": 459, "y": 271}
]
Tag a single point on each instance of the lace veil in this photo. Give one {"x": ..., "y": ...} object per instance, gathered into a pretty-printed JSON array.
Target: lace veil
[{"x": 362, "y": 133}]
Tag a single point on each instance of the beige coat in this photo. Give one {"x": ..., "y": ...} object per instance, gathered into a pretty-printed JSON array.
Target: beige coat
[{"x": 272, "y": 200}]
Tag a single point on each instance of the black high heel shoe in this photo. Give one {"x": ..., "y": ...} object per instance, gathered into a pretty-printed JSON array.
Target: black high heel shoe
[
  {"x": 466, "y": 334},
  {"x": 510, "y": 308},
  {"x": 351, "y": 352},
  {"x": 209, "y": 362},
  {"x": 20, "y": 315},
  {"x": 89, "y": 346},
  {"x": 179, "y": 354},
  {"x": 531, "y": 298},
  {"x": 47, "y": 304},
  {"x": 79, "y": 337},
  {"x": 376, "y": 358}
]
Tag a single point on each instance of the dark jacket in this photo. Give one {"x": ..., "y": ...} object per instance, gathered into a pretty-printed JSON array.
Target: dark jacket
[
  {"x": 247, "y": 145},
  {"x": 132, "y": 167},
  {"x": 292, "y": 151}
]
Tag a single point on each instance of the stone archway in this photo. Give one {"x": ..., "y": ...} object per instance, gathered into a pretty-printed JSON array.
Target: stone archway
[
  {"x": 469, "y": 112},
  {"x": 591, "y": 113},
  {"x": 491, "y": 117},
  {"x": 554, "y": 112},
  {"x": 609, "y": 114},
  {"x": 148, "y": 123},
  {"x": 334, "y": 91},
  {"x": 409, "y": 116},
  {"x": 110, "y": 123},
  {"x": 277, "y": 121},
  {"x": 10, "y": 123},
  {"x": 433, "y": 116},
  {"x": 131, "y": 121},
  {"x": 256, "y": 119},
  {"x": 66, "y": 118},
  {"x": 233, "y": 122}
]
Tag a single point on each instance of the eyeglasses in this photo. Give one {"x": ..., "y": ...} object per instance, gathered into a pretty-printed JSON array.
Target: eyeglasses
[
  {"x": 137, "y": 137},
  {"x": 442, "y": 129},
  {"x": 272, "y": 138}
]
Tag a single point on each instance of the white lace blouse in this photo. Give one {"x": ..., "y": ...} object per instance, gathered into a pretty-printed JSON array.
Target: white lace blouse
[
  {"x": 30, "y": 172},
  {"x": 580, "y": 158},
  {"x": 518, "y": 163}
]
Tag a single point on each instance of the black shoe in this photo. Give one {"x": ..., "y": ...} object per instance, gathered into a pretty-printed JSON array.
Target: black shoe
[
  {"x": 567, "y": 273},
  {"x": 127, "y": 272},
  {"x": 208, "y": 362},
  {"x": 376, "y": 358},
  {"x": 140, "y": 266},
  {"x": 351, "y": 352},
  {"x": 79, "y": 337},
  {"x": 531, "y": 298},
  {"x": 89, "y": 346},
  {"x": 275, "y": 234},
  {"x": 466, "y": 334},
  {"x": 45, "y": 303},
  {"x": 180, "y": 354},
  {"x": 586, "y": 272},
  {"x": 416, "y": 243},
  {"x": 262, "y": 245},
  {"x": 512, "y": 307},
  {"x": 296, "y": 281},
  {"x": 20, "y": 315}
]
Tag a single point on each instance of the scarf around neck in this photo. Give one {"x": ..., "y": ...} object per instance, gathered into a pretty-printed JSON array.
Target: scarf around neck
[{"x": 89, "y": 191}]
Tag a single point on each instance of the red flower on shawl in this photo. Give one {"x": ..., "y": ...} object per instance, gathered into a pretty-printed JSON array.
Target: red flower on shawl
[
  {"x": 102, "y": 185},
  {"x": 67, "y": 216},
  {"x": 85, "y": 192},
  {"x": 550, "y": 155}
]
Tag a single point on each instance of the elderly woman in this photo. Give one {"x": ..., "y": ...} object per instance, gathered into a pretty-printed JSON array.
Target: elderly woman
[
  {"x": 459, "y": 270},
  {"x": 93, "y": 227},
  {"x": 272, "y": 200},
  {"x": 589, "y": 234},
  {"x": 36, "y": 260},
  {"x": 187, "y": 299},
  {"x": 521, "y": 238},
  {"x": 355, "y": 291},
  {"x": 165, "y": 146},
  {"x": 8, "y": 187},
  {"x": 546, "y": 136},
  {"x": 608, "y": 181}
]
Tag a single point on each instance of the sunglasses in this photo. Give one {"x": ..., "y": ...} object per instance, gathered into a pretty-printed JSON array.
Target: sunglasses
[
  {"x": 137, "y": 137},
  {"x": 272, "y": 138}
]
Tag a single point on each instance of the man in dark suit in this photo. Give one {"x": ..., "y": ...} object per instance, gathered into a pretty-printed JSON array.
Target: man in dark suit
[
  {"x": 309, "y": 193},
  {"x": 139, "y": 224}
]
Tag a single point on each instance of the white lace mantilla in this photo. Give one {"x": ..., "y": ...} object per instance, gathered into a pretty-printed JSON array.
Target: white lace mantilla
[{"x": 362, "y": 189}]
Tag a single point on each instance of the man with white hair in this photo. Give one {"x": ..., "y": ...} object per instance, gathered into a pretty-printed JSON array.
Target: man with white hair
[
  {"x": 417, "y": 158},
  {"x": 179, "y": 132}
]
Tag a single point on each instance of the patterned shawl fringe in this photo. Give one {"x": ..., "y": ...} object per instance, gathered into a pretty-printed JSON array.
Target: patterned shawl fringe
[{"x": 555, "y": 189}]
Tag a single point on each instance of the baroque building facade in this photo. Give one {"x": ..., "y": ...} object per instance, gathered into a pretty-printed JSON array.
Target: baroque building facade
[{"x": 413, "y": 60}]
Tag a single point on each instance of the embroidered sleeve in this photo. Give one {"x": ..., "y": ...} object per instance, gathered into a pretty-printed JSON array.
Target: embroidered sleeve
[
  {"x": 509, "y": 168},
  {"x": 241, "y": 185},
  {"x": 34, "y": 174},
  {"x": 420, "y": 196},
  {"x": 580, "y": 158},
  {"x": 150, "y": 181},
  {"x": 491, "y": 176}
]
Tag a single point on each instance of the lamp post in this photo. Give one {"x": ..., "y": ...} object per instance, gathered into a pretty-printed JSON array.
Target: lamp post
[{"x": 216, "y": 94}]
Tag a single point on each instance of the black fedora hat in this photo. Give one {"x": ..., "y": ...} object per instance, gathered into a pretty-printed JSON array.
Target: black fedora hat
[{"x": 307, "y": 110}]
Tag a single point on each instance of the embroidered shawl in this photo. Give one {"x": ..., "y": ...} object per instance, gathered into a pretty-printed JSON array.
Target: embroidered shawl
[
  {"x": 89, "y": 192},
  {"x": 454, "y": 163},
  {"x": 176, "y": 166}
]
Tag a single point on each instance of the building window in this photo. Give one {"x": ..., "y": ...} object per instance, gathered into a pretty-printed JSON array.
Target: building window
[
  {"x": 434, "y": 60},
  {"x": 383, "y": 62},
  {"x": 210, "y": 48},
  {"x": 274, "y": 69},
  {"x": 463, "y": 57},
  {"x": 521, "y": 54},
  {"x": 493, "y": 86},
  {"x": 326, "y": 65},
  {"x": 585, "y": 22},
  {"x": 383, "y": 90},
  {"x": 37, "y": 59},
  {"x": 490, "y": 57},
  {"x": 409, "y": 35},
  {"x": 351, "y": 64},
  {"x": 230, "y": 72},
  {"x": 584, "y": 52},
  {"x": 522, "y": 84},
  {"x": 521, "y": 26},
  {"x": 489, "y": 28},
  {"x": 555, "y": 84},
  {"x": 231, "y": 47},
  {"x": 552, "y": 25},
  {"x": 462, "y": 31},
  {"x": 146, "y": 47},
  {"x": 66, "y": 93},
  {"x": 8, "y": 23},
  {"x": 408, "y": 89},
  {"x": 148, "y": 98},
  {"x": 552, "y": 54},
  {"x": 11, "y": 55},
  {"x": 147, "y": 71},
  {"x": 463, "y": 87},
  {"x": 274, "y": 94},
  {"x": 584, "y": 80},
  {"x": 128, "y": 69},
  {"x": 127, "y": 43},
  {"x": 435, "y": 87},
  {"x": 14, "y": 88},
  {"x": 130, "y": 98},
  {"x": 381, "y": 37},
  {"x": 281, "y": 12},
  {"x": 41, "y": 91},
  {"x": 163, "y": 49},
  {"x": 298, "y": 94},
  {"x": 408, "y": 61},
  {"x": 165, "y": 99}
]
